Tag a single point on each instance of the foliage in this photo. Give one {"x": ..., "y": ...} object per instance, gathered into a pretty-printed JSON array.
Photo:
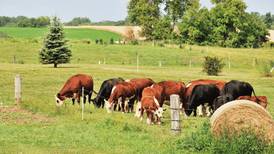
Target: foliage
[
  {"x": 145, "y": 13},
  {"x": 22, "y": 21},
  {"x": 268, "y": 69},
  {"x": 226, "y": 24},
  {"x": 268, "y": 19},
  {"x": 204, "y": 141},
  {"x": 110, "y": 23},
  {"x": 162, "y": 29},
  {"x": 175, "y": 9},
  {"x": 212, "y": 65},
  {"x": 55, "y": 51},
  {"x": 79, "y": 21}
]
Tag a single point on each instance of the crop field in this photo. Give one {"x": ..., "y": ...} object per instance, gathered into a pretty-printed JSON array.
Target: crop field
[
  {"x": 71, "y": 33},
  {"x": 38, "y": 126}
]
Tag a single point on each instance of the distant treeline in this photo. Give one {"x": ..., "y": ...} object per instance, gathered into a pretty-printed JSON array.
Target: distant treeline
[
  {"x": 78, "y": 21},
  {"x": 22, "y": 21},
  {"x": 43, "y": 21}
]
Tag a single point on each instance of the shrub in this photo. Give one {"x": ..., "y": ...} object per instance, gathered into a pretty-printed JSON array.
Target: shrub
[
  {"x": 134, "y": 42},
  {"x": 101, "y": 41},
  {"x": 267, "y": 70},
  {"x": 213, "y": 65},
  {"x": 111, "y": 41},
  {"x": 96, "y": 41},
  {"x": 204, "y": 141}
]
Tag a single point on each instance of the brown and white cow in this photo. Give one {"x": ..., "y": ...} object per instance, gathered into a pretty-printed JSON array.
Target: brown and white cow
[
  {"x": 73, "y": 89},
  {"x": 121, "y": 93},
  {"x": 189, "y": 88},
  {"x": 139, "y": 84},
  {"x": 150, "y": 104},
  {"x": 261, "y": 100}
]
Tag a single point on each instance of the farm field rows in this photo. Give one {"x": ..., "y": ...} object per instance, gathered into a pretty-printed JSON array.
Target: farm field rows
[{"x": 39, "y": 127}]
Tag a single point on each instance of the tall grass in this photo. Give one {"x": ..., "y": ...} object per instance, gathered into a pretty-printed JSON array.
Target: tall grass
[{"x": 244, "y": 142}]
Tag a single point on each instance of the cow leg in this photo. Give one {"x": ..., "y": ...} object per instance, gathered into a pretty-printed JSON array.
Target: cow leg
[
  {"x": 89, "y": 97},
  {"x": 73, "y": 101},
  {"x": 200, "y": 110},
  {"x": 195, "y": 111},
  {"x": 149, "y": 117},
  {"x": 78, "y": 97},
  {"x": 141, "y": 114},
  {"x": 126, "y": 106}
]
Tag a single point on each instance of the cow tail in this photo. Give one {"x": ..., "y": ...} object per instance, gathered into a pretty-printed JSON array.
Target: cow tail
[
  {"x": 255, "y": 95},
  {"x": 94, "y": 92}
]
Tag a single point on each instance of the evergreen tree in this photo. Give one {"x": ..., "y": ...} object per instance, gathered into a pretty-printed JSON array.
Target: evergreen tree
[{"x": 55, "y": 50}]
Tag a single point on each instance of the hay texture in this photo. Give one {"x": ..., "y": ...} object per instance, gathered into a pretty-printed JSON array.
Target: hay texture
[{"x": 242, "y": 115}]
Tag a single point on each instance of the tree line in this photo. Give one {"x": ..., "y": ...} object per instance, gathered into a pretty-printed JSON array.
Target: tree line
[
  {"x": 226, "y": 24},
  {"x": 22, "y": 21}
]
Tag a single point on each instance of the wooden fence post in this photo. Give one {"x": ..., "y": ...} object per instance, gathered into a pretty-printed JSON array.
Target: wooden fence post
[
  {"x": 175, "y": 114},
  {"x": 18, "y": 93},
  {"x": 83, "y": 105}
]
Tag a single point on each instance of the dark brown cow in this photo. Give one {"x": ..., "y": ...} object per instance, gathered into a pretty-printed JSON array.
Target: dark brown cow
[
  {"x": 121, "y": 93},
  {"x": 262, "y": 100},
  {"x": 139, "y": 84},
  {"x": 150, "y": 104},
  {"x": 73, "y": 89}
]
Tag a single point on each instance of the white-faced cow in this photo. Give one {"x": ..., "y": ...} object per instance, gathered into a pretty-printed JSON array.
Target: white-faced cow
[
  {"x": 73, "y": 89},
  {"x": 150, "y": 104},
  {"x": 105, "y": 91},
  {"x": 121, "y": 93}
]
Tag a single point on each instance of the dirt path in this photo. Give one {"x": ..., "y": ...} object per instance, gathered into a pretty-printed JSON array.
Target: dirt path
[
  {"x": 17, "y": 115},
  {"x": 271, "y": 38}
]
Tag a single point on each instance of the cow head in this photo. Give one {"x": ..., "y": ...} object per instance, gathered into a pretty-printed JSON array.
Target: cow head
[
  {"x": 108, "y": 106},
  {"x": 159, "y": 112},
  {"x": 138, "y": 109},
  {"x": 59, "y": 99}
]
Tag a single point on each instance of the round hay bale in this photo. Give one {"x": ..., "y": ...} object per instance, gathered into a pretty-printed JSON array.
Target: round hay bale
[{"x": 242, "y": 115}]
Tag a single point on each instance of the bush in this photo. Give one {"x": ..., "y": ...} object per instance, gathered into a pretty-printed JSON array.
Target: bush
[
  {"x": 96, "y": 41},
  {"x": 111, "y": 41},
  {"x": 134, "y": 42},
  {"x": 204, "y": 141},
  {"x": 213, "y": 65},
  {"x": 267, "y": 70}
]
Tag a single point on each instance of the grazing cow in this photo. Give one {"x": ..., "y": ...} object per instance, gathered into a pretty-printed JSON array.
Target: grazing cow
[
  {"x": 262, "y": 100},
  {"x": 189, "y": 87},
  {"x": 220, "y": 100},
  {"x": 150, "y": 104},
  {"x": 202, "y": 94},
  {"x": 121, "y": 93},
  {"x": 139, "y": 84},
  {"x": 105, "y": 91},
  {"x": 172, "y": 87},
  {"x": 237, "y": 88},
  {"x": 231, "y": 91},
  {"x": 73, "y": 89}
]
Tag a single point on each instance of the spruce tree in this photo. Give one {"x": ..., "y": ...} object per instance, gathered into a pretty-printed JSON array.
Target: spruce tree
[{"x": 55, "y": 50}]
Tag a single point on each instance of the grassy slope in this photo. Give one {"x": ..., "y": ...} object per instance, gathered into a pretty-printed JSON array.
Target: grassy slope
[
  {"x": 101, "y": 132},
  {"x": 38, "y": 33}
]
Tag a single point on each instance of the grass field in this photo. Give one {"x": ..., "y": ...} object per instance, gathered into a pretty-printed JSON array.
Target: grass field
[
  {"x": 71, "y": 33},
  {"x": 39, "y": 127}
]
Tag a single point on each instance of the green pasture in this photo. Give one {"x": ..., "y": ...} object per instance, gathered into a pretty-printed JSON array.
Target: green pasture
[
  {"x": 70, "y": 33},
  {"x": 43, "y": 128}
]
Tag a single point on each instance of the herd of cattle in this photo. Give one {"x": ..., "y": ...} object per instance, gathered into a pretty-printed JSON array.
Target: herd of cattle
[{"x": 151, "y": 96}]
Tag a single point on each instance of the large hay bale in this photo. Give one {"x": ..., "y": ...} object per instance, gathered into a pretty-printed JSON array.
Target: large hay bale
[{"x": 242, "y": 115}]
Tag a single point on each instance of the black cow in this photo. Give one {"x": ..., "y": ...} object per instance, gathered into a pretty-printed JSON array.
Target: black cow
[
  {"x": 231, "y": 91},
  {"x": 221, "y": 100},
  {"x": 237, "y": 88},
  {"x": 105, "y": 91},
  {"x": 200, "y": 95}
]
